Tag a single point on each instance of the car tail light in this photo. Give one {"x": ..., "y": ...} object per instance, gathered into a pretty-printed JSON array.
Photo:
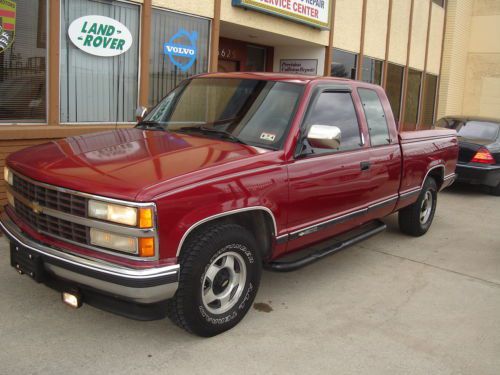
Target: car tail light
[{"x": 483, "y": 156}]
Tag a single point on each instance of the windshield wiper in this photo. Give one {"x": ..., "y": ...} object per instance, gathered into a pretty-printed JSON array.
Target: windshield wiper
[
  {"x": 154, "y": 125},
  {"x": 204, "y": 130}
]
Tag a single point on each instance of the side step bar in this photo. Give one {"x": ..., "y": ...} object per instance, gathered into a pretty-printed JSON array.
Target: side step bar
[{"x": 358, "y": 235}]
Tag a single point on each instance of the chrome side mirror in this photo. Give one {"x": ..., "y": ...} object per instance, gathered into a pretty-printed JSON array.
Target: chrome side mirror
[
  {"x": 324, "y": 136},
  {"x": 140, "y": 113}
]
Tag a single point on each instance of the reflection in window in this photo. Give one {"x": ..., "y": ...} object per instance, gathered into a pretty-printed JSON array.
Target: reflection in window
[
  {"x": 394, "y": 87},
  {"x": 95, "y": 88},
  {"x": 375, "y": 117},
  {"x": 412, "y": 100},
  {"x": 337, "y": 109},
  {"x": 429, "y": 101},
  {"x": 163, "y": 74},
  {"x": 372, "y": 70},
  {"x": 344, "y": 64},
  {"x": 23, "y": 53}
]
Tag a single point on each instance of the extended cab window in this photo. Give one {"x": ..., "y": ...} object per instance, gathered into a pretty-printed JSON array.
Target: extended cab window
[
  {"x": 337, "y": 109},
  {"x": 375, "y": 117}
]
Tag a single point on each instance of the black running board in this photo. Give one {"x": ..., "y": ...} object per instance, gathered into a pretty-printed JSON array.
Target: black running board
[{"x": 367, "y": 231}]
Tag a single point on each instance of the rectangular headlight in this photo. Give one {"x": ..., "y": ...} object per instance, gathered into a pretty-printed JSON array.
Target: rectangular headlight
[
  {"x": 113, "y": 241},
  {"x": 8, "y": 176},
  {"x": 113, "y": 212}
]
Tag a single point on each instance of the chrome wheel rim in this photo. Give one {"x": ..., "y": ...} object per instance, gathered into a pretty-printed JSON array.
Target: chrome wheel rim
[
  {"x": 426, "y": 207},
  {"x": 223, "y": 282}
]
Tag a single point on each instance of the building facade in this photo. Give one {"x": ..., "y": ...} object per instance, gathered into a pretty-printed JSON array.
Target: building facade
[{"x": 69, "y": 67}]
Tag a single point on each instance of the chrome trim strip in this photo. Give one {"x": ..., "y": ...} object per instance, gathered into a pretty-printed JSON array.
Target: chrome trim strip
[
  {"x": 227, "y": 213},
  {"x": 9, "y": 227},
  {"x": 312, "y": 228},
  {"x": 385, "y": 202},
  {"x": 409, "y": 193}
]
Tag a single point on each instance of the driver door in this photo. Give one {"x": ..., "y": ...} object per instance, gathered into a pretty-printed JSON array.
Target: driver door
[{"x": 328, "y": 187}]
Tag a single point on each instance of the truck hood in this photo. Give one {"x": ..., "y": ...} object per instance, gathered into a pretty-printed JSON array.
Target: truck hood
[{"x": 122, "y": 163}]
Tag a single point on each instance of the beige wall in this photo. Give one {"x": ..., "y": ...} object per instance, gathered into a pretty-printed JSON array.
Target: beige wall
[
  {"x": 400, "y": 21},
  {"x": 377, "y": 12},
  {"x": 419, "y": 34},
  {"x": 482, "y": 78},
  {"x": 435, "y": 39},
  {"x": 347, "y": 25},
  {"x": 470, "y": 83},
  {"x": 204, "y": 8},
  {"x": 456, "y": 42}
]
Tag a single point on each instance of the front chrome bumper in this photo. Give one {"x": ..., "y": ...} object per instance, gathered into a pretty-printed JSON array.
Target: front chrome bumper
[{"x": 148, "y": 285}]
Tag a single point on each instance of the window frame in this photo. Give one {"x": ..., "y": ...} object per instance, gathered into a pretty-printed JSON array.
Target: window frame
[
  {"x": 162, "y": 8},
  {"x": 45, "y": 122},
  {"x": 383, "y": 62},
  {"x": 304, "y": 126},
  {"x": 390, "y": 140},
  {"x": 356, "y": 61},
  {"x": 139, "y": 77}
]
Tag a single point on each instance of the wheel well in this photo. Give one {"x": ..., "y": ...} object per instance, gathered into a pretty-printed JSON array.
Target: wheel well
[
  {"x": 258, "y": 222},
  {"x": 438, "y": 175}
]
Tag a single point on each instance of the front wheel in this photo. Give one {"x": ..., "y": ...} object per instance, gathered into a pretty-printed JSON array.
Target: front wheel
[
  {"x": 220, "y": 276},
  {"x": 416, "y": 219}
]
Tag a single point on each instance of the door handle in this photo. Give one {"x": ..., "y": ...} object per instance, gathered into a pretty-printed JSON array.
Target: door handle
[{"x": 364, "y": 165}]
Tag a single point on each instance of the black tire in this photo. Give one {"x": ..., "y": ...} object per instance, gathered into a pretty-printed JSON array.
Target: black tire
[
  {"x": 188, "y": 308},
  {"x": 410, "y": 218}
]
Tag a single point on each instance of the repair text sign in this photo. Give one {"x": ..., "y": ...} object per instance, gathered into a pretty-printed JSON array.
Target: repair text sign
[{"x": 312, "y": 12}]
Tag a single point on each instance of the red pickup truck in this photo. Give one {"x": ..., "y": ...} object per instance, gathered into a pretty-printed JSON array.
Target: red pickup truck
[{"x": 228, "y": 174}]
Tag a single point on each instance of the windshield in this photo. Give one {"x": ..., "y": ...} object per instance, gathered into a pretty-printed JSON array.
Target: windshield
[{"x": 250, "y": 111}]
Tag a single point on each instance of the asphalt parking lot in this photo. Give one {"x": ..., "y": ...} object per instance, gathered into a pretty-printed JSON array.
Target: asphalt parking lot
[{"x": 391, "y": 305}]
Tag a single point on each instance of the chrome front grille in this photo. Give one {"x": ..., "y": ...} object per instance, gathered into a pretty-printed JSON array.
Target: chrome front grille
[
  {"x": 57, "y": 200},
  {"x": 52, "y": 225}
]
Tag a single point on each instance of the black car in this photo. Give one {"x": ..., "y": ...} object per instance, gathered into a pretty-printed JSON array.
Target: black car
[{"x": 479, "y": 155}]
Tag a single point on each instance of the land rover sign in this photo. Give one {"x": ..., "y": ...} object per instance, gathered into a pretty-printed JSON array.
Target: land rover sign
[{"x": 100, "y": 36}]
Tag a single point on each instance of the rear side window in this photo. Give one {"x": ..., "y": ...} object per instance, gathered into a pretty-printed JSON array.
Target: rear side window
[
  {"x": 375, "y": 117},
  {"x": 337, "y": 109}
]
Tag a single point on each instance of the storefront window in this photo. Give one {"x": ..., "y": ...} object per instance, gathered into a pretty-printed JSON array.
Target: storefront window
[
  {"x": 429, "y": 101},
  {"x": 169, "y": 65},
  {"x": 412, "y": 99},
  {"x": 344, "y": 64},
  {"x": 23, "y": 56},
  {"x": 99, "y": 78},
  {"x": 394, "y": 87},
  {"x": 372, "y": 70}
]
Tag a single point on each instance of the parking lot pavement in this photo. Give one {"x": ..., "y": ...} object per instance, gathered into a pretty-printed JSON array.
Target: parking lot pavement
[{"x": 391, "y": 305}]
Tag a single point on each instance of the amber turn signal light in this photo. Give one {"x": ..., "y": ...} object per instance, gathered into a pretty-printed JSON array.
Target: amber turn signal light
[
  {"x": 146, "y": 247},
  {"x": 145, "y": 218}
]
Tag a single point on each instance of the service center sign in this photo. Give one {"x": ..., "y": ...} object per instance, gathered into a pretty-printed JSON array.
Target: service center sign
[
  {"x": 100, "y": 35},
  {"x": 312, "y": 12}
]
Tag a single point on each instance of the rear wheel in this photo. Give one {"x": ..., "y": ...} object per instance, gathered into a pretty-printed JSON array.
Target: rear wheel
[
  {"x": 416, "y": 219},
  {"x": 220, "y": 276}
]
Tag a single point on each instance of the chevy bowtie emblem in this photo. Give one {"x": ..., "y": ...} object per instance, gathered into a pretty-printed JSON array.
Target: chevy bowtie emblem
[{"x": 35, "y": 206}]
